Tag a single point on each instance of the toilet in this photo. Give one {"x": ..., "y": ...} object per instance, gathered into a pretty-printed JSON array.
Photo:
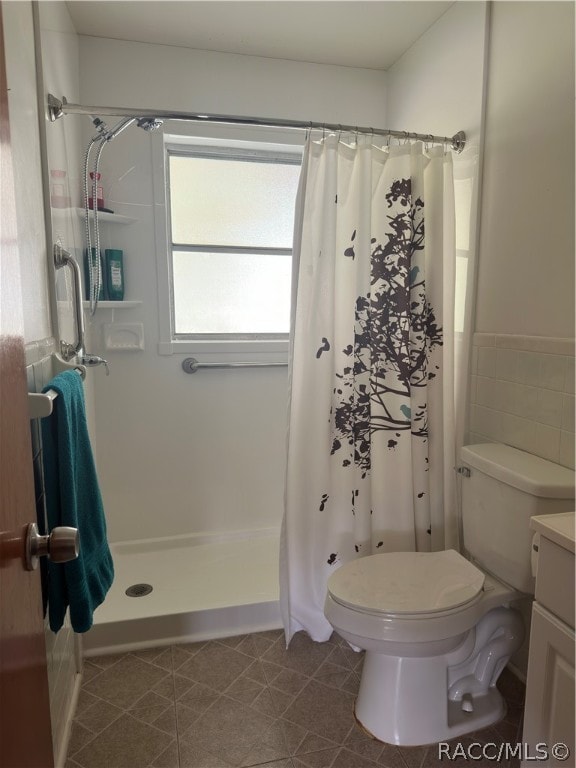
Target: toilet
[{"x": 437, "y": 627}]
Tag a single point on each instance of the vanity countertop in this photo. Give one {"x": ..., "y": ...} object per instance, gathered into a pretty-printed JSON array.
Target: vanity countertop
[{"x": 559, "y": 528}]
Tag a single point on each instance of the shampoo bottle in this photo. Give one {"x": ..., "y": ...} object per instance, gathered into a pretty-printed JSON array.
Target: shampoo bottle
[
  {"x": 99, "y": 191},
  {"x": 114, "y": 273}
]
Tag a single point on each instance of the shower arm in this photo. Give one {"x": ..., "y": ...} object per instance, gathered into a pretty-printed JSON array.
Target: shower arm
[{"x": 59, "y": 107}]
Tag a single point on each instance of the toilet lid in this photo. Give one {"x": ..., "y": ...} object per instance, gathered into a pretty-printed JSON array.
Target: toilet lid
[{"x": 406, "y": 582}]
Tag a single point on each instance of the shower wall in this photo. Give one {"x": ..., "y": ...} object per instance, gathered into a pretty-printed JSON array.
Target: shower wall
[
  {"x": 21, "y": 77},
  {"x": 178, "y": 453},
  {"x": 59, "y": 54}
]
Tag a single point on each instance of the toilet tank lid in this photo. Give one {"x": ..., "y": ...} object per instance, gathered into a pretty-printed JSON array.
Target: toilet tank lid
[{"x": 521, "y": 470}]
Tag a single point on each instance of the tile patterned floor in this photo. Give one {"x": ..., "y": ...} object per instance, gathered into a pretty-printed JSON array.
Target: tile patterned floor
[{"x": 239, "y": 702}]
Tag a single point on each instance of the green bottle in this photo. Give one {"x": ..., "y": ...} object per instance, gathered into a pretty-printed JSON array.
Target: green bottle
[{"x": 114, "y": 273}]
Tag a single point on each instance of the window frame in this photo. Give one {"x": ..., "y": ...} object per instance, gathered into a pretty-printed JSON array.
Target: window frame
[{"x": 257, "y": 347}]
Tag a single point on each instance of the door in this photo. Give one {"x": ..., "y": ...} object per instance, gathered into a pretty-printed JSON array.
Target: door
[{"x": 25, "y": 737}]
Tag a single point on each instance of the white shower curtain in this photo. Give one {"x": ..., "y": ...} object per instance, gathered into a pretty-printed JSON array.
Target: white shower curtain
[{"x": 370, "y": 448}]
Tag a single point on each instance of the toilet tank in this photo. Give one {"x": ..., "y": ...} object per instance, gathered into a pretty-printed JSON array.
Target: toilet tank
[{"x": 504, "y": 489}]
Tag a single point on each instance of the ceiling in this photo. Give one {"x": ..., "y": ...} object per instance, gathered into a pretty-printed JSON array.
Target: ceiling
[{"x": 355, "y": 33}]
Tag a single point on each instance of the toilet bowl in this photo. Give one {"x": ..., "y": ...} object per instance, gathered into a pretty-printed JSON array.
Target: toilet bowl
[
  {"x": 437, "y": 633},
  {"x": 437, "y": 627}
]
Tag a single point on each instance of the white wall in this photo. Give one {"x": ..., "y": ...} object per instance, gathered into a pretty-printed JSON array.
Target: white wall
[
  {"x": 523, "y": 360},
  {"x": 526, "y": 265},
  {"x": 115, "y": 72},
  {"x": 525, "y": 273},
  {"x": 21, "y": 77},
  {"x": 525, "y": 280},
  {"x": 437, "y": 87},
  {"x": 180, "y": 453}
]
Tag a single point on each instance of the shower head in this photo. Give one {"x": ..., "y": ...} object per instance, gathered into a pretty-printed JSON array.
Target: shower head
[
  {"x": 149, "y": 123},
  {"x": 107, "y": 134},
  {"x": 119, "y": 127}
]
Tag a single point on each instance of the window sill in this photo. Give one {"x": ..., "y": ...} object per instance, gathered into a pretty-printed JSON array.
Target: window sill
[{"x": 227, "y": 351}]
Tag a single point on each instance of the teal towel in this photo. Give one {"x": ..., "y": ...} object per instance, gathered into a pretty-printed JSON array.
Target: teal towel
[{"x": 73, "y": 498}]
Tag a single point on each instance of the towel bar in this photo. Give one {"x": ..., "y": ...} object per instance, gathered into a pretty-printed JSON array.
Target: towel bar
[
  {"x": 41, "y": 404},
  {"x": 191, "y": 365}
]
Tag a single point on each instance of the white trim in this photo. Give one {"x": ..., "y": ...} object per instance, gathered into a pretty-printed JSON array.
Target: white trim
[
  {"x": 161, "y": 241},
  {"x": 227, "y": 351}
]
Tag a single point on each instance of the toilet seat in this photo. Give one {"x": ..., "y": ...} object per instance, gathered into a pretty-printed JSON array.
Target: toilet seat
[{"x": 407, "y": 584}]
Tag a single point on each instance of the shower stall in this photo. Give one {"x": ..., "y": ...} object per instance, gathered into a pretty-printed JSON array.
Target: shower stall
[{"x": 191, "y": 467}]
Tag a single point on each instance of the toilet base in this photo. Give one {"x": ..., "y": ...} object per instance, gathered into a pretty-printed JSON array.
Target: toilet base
[{"x": 404, "y": 701}]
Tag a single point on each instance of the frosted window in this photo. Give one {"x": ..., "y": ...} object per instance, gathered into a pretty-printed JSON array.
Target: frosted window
[
  {"x": 232, "y": 220},
  {"x": 237, "y": 293},
  {"x": 218, "y": 201}
]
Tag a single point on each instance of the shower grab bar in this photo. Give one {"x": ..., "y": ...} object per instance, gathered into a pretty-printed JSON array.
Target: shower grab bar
[
  {"x": 64, "y": 259},
  {"x": 191, "y": 365}
]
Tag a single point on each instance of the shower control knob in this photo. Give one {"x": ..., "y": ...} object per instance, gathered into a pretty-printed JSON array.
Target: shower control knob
[
  {"x": 92, "y": 360},
  {"x": 60, "y": 546}
]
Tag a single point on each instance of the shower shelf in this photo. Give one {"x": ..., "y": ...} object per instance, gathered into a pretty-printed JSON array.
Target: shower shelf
[
  {"x": 113, "y": 304},
  {"x": 106, "y": 218}
]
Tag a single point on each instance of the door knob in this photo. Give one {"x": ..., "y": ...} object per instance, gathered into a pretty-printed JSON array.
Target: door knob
[{"x": 61, "y": 545}]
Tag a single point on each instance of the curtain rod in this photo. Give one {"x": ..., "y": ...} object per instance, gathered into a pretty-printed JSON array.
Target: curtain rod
[{"x": 59, "y": 107}]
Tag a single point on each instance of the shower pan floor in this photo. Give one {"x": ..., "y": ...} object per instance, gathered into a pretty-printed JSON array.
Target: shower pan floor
[{"x": 203, "y": 587}]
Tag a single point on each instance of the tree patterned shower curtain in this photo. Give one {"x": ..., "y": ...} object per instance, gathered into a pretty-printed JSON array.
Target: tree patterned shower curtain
[{"x": 370, "y": 449}]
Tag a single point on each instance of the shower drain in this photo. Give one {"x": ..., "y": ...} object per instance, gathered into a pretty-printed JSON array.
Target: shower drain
[{"x": 139, "y": 590}]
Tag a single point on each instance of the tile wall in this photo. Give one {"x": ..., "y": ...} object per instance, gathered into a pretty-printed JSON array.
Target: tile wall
[
  {"x": 522, "y": 394},
  {"x": 61, "y": 652}
]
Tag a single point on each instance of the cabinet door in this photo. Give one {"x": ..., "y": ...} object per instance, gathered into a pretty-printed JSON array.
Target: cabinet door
[{"x": 549, "y": 711}]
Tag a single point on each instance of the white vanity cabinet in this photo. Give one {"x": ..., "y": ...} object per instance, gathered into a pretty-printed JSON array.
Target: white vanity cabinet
[{"x": 549, "y": 713}]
